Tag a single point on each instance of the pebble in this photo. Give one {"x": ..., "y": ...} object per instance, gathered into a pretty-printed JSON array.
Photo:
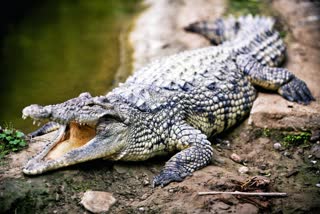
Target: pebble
[
  {"x": 243, "y": 170},
  {"x": 315, "y": 151},
  {"x": 313, "y": 161},
  {"x": 97, "y": 201},
  {"x": 277, "y": 146},
  {"x": 141, "y": 209},
  {"x": 287, "y": 154},
  {"x": 236, "y": 158},
  {"x": 223, "y": 206},
  {"x": 247, "y": 209},
  {"x": 315, "y": 136},
  {"x": 146, "y": 182},
  {"x": 318, "y": 185},
  {"x": 121, "y": 169},
  {"x": 57, "y": 197}
]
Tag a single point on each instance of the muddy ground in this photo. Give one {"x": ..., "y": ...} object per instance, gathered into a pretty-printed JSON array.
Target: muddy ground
[{"x": 294, "y": 168}]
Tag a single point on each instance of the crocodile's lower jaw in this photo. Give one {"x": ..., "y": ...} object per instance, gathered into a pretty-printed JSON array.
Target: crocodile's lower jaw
[{"x": 75, "y": 136}]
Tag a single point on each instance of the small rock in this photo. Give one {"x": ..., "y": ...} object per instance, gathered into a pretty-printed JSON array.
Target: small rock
[
  {"x": 146, "y": 182},
  {"x": 247, "y": 209},
  {"x": 243, "y": 170},
  {"x": 97, "y": 201},
  {"x": 57, "y": 197},
  {"x": 313, "y": 161},
  {"x": 223, "y": 206},
  {"x": 315, "y": 135},
  {"x": 277, "y": 146},
  {"x": 287, "y": 154},
  {"x": 315, "y": 151},
  {"x": 236, "y": 158},
  {"x": 121, "y": 169},
  {"x": 318, "y": 185},
  {"x": 141, "y": 209}
]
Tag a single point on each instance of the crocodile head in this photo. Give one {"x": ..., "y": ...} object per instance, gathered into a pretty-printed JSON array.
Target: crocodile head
[{"x": 89, "y": 128}]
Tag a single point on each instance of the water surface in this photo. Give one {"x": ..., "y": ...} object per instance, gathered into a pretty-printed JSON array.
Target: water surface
[{"x": 58, "y": 50}]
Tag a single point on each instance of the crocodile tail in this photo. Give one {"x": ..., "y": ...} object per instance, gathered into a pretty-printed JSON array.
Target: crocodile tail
[
  {"x": 216, "y": 31},
  {"x": 244, "y": 35}
]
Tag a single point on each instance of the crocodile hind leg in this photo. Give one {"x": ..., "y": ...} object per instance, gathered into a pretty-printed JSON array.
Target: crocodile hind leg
[
  {"x": 196, "y": 153},
  {"x": 276, "y": 79}
]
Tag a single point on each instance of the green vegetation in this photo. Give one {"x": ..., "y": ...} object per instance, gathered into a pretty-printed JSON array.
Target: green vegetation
[
  {"x": 11, "y": 140},
  {"x": 242, "y": 7},
  {"x": 266, "y": 132},
  {"x": 296, "y": 139},
  {"x": 288, "y": 139}
]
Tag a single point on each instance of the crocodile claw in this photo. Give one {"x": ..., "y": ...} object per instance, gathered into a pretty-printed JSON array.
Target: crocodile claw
[
  {"x": 167, "y": 176},
  {"x": 296, "y": 91}
]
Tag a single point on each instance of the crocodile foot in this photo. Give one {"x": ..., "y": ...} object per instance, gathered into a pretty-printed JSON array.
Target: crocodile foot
[
  {"x": 167, "y": 176},
  {"x": 296, "y": 90}
]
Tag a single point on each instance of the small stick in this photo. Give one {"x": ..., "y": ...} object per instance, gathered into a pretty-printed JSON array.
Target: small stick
[{"x": 282, "y": 194}]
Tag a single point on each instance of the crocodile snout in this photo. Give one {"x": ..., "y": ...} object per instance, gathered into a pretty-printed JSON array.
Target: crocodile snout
[{"x": 36, "y": 112}]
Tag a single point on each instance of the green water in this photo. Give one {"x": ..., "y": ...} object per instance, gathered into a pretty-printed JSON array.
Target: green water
[{"x": 58, "y": 50}]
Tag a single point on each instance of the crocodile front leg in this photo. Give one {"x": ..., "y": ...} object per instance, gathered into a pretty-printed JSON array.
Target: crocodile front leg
[
  {"x": 196, "y": 153},
  {"x": 277, "y": 79}
]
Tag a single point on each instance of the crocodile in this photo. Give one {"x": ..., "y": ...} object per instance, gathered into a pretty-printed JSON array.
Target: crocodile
[{"x": 172, "y": 105}]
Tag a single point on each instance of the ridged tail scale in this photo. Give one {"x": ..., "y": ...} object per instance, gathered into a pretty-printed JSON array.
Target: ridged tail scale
[{"x": 244, "y": 35}]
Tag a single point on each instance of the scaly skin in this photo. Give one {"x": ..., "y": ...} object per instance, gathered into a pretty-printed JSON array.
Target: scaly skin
[{"x": 173, "y": 104}]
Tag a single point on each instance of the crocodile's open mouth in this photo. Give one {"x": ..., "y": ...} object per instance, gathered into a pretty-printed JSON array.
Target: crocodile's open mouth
[
  {"x": 89, "y": 128},
  {"x": 69, "y": 137}
]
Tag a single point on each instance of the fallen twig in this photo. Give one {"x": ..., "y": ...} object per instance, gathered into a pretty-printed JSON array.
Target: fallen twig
[{"x": 282, "y": 194}]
